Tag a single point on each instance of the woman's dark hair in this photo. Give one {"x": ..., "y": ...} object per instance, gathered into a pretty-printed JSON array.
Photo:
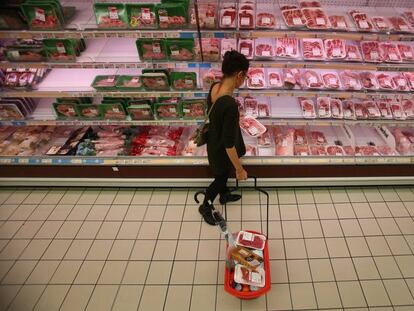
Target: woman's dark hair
[{"x": 234, "y": 62}]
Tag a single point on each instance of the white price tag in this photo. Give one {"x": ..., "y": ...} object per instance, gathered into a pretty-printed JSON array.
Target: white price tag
[
  {"x": 336, "y": 52},
  {"x": 245, "y": 21},
  {"x": 393, "y": 56},
  {"x": 253, "y": 131},
  {"x": 188, "y": 82},
  {"x": 266, "y": 53},
  {"x": 284, "y": 143},
  {"x": 113, "y": 12},
  {"x": 297, "y": 21},
  {"x": 352, "y": 83},
  {"x": 401, "y": 82},
  {"x": 341, "y": 24},
  {"x": 372, "y": 111},
  {"x": 145, "y": 13},
  {"x": 320, "y": 21},
  {"x": 381, "y": 24},
  {"x": 15, "y": 54},
  {"x": 274, "y": 81},
  {"x": 363, "y": 24},
  {"x": 289, "y": 50},
  {"x": 255, "y": 80},
  {"x": 322, "y": 112},
  {"x": 266, "y": 21},
  {"x": 384, "y": 112},
  {"x": 255, "y": 277},
  {"x": 335, "y": 111},
  {"x": 408, "y": 54},
  {"x": 307, "y": 113},
  {"x": 299, "y": 140},
  {"x": 186, "y": 110},
  {"x": 40, "y": 14},
  {"x": 172, "y": 110},
  {"x": 397, "y": 112},
  {"x": 303, "y": 154},
  {"x": 163, "y": 19},
  {"x": 61, "y": 48},
  {"x": 333, "y": 81},
  {"x": 71, "y": 110},
  {"x": 313, "y": 80},
  {"x": 348, "y": 113},
  {"x": 245, "y": 51},
  {"x": 359, "y": 112},
  {"x": 403, "y": 27},
  {"x": 374, "y": 55},
  {"x": 156, "y": 48},
  {"x": 352, "y": 55},
  {"x": 110, "y": 79},
  {"x": 226, "y": 20},
  {"x": 115, "y": 109},
  {"x": 316, "y": 52},
  {"x": 135, "y": 80},
  {"x": 175, "y": 53}
]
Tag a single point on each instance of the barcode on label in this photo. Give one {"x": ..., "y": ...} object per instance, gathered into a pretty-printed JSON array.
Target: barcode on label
[{"x": 247, "y": 236}]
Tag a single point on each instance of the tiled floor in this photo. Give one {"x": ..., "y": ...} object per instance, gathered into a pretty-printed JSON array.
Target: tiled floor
[{"x": 126, "y": 249}]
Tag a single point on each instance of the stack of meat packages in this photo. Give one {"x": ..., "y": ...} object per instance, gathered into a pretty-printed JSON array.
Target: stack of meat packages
[
  {"x": 404, "y": 139},
  {"x": 110, "y": 141},
  {"x": 308, "y": 14},
  {"x": 157, "y": 141}
]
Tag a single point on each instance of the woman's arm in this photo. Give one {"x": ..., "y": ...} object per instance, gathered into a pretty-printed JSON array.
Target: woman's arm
[{"x": 241, "y": 174}]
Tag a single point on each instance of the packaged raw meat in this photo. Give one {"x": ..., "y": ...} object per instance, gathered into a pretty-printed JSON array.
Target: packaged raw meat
[
  {"x": 274, "y": 78},
  {"x": 294, "y": 18},
  {"x": 331, "y": 80},
  {"x": 362, "y": 21},
  {"x": 113, "y": 111},
  {"x": 60, "y": 50},
  {"x": 251, "y": 151},
  {"x": 154, "y": 81},
  {"x": 66, "y": 110},
  {"x": 151, "y": 49},
  {"x": 264, "y": 48},
  {"x": 183, "y": 81},
  {"x": 349, "y": 150},
  {"x": 265, "y": 140},
  {"x": 11, "y": 112},
  {"x": 246, "y": 47},
  {"x": 139, "y": 111},
  {"x": 366, "y": 151},
  {"x": 397, "y": 110},
  {"x": 228, "y": 45},
  {"x": 207, "y": 15},
  {"x": 390, "y": 52},
  {"x": 246, "y": 15},
  {"x": 141, "y": 16},
  {"x": 338, "y": 22},
  {"x": 317, "y": 138},
  {"x": 350, "y": 80},
  {"x": 308, "y": 108},
  {"x": 336, "y": 108},
  {"x": 334, "y": 150},
  {"x": 193, "y": 108},
  {"x": 180, "y": 50},
  {"x": 398, "y": 23},
  {"x": 251, "y": 107},
  {"x": 251, "y": 126},
  {"x": 323, "y": 107},
  {"x": 291, "y": 77},
  {"x": 300, "y": 137},
  {"x": 385, "y": 81},
  {"x": 380, "y": 23},
  {"x": 284, "y": 141},
  {"x": 404, "y": 141},
  {"x": 410, "y": 79},
  {"x": 309, "y": 4},
  {"x": 352, "y": 52},
  {"x": 110, "y": 15},
  {"x": 210, "y": 77},
  {"x": 167, "y": 111},
  {"x": 408, "y": 107},
  {"x": 369, "y": 80},
  {"x": 172, "y": 15},
  {"x": 228, "y": 15},
  {"x": 256, "y": 78},
  {"x": 287, "y": 47},
  {"x": 312, "y": 79},
  {"x": 360, "y": 111},
  {"x": 301, "y": 150},
  {"x": 372, "y": 109},
  {"x": 129, "y": 83},
  {"x": 263, "y": 107},
  {"x": 265, "y": 16},
  {"x": 211, "y": 49},
  {"x": 335, "y": 48},
  {"x": 243, "y": 275},
  {"x": 318, "y": 150},
  {"x": 316, "y": 18},
  {"x": 406, "y": 51},
  {"x": 409, "y": 16},
  {"x": 371, "y": 51},
  {"x": 103, "y": 83},
  {"x": 89, "y": 112},
  {"x": 400, "y": 82},
  {"x": 385, "y": 109},
  {"x": 312, "y": 49},
  {"x": 385, "y": 150}
]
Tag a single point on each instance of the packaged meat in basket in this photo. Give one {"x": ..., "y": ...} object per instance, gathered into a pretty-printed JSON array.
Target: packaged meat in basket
[
  {"x": 369, "y": 80},
  {"x": 390, "y": 53},
  {"x": 350, "y": 80},
  {"x": 408, "y": 107},
  {"x": 336, "y": 108},
  {"x": 384, "y": 109},
  {"x": 251, "y": 107},
  {"x": 380, "y": 23},
  {"x": 207, "y": 15},
  {"x": 348, "y": 109},
  {"x": 184, "y": 81},
  {"x": 228, "y": 45},
  {"x": 318, "y": 150},
  {"x": 410, "y": 79},
  {"x": 265, "y": 16},
  {"x": 335, "y": 48},
  {"x": 263, "y": 107},
  {"x": 360, "y": 110},
  {"x": 397, "y": 110},
  {"x": 406, "y": 51},
  {"x": 312, "y": 49},
  {"x": 256, "y": 78},
  {"x": 291, "y": 78},
  {"x": 284, "y": 141},
  {"x": 246, "y": 15},
  {"x": 335, "y": 150},
  {"x": 251, "y": 126},
  {"x": 167, "y": 111},
  {"x": 331, "y": 80},
  {"x": 246, "y": 47},
  {"x": 264, "y": 48},
  {"x": 243, "y": 275},
  {"x": 371, "y": 51},
  {"x": 294, "y": 18},
  {"x": 316, "y": 18},
  {"x": 193, "y": 108},
  {"x": 352, "y": 52},
  {"x": 274, "y": 78},
  {"x": 399, "y": 24},
  {"x": 312, "y": 79},
  {"x": 211, "y": 76},
  {"x": 362, "y": 21},
  {"x": 251, "y": 240},
  {"x": 372, "y": 109},
  {"x": 308, "y": 108},
  {"x": 228, "y": 15},
  {"x": 323, "y": 107},
  {"x": 287, "y": 47},
  {"x": 338, "y": 22},
  {"x": 385, "y": 81},
  {"x": 180, "y": 50},
  {"x": 400, "y": 82},
  {"x": 211, "y": 49}
]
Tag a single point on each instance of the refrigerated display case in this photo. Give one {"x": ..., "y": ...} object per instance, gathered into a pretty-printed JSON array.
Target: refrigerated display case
[{"x": 118, "y": 92}]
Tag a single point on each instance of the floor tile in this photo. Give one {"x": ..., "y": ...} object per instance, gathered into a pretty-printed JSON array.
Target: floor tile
[
  {"x": 78, "y": 249},
  {"x": 279, "y": 297},
  {"x": 378, "y": 246},
  {"x": 372, "y": 194},
  {"x": 351, "y": 227},
  {"x": 344, "y": 269},
  {"x": 174, "y": 212},
  {"x": 71, "y": 196},
  {"x": 106, "y": 196},
  {"x": 43, "y": 272},
  {"x": 275, "y": 230},
  {"x": 22, "y": 212},
  {"x": 278, "y": 271},
  {"x": 7, "y": 210},
  {"x": 57, "y": 249},
  {"x": 226, "y": 302},
  {"x": 387, "y": 267},
  {"x": 8, "y": 292},
  {"x": 321, "y": 270},
  {"x": 52, "y": 298},
  {"x": 358, "y": 246},
  {"x": 303, "y": 296},
  {"x": 327, "y": 295},
  {"x": 370, "y": 226},
  {"x": 182, "y": 272},
  {"x": 206, "y": 272},
  {"x": 14, "y": 249},
  {"x": 295, "y": 249},
  {"x": 289, "y": 212},
  {"x": 121, "y": 250},
  {"x": 79, "y": 212},
  {"x": 362, "y": 210},
  {"x": 77, "y": 298},
  {"x": 9, "y": 229},
  {"x": 356, "y": 194},
  {"x": 149, "y": 230},
  {"x": 322, "y": 195},
  {"x": 49, "y": 229},
  {"x": 153, "y": 298},
  {"x": 98, "y": 212},
  {"x": 366, "y": 268},
  {"x": 405, "y": 194},
  {"x": 277, "y": 249},
  {"x": 17, "y": 197},
  {"x": 398, "y": 245},
  {"x": 108, "y": 230},
  {"x": 406, "y": 225},
  {"x": 102, "y": 298},
  {"x": 179, "y": 197},
  {"x": 326, "y": 211},
  {"x": 136, "y": 272},
  {"x": 127, "y": 298},
  {"x": 316, "y": 248},
  {"x": 299, "y": 270},
  {"x": 117, "y": 213},
  {"x": 208, "y": 250},
  {"x": 90, "y": 196},
  {"x": 398, "y": 292},
  {"x": 27, "y": 297},
  {"x": 159, "y": 272},
  {"x": 113, "y": 272},
  {"x": 141, "y": 197},
  {"x": 99, "y": 250},
  {"x": 344, "y": 210},
  {"x": 35, "y": 249},
  {"x": 351, "y": 294},
  {"x": 304, "y": 196},
  {"x": 203, "y": 298},
  {"x": 19, "y": 272},
  {"x": 143, "y": 250},
  {"x": 389, "y": 194},
  {"x": 186, "y": 250},
  {"x": 339, "y": 195},
  {"x": 178, "y": 298},
  {"x": 68, "y": 230},
  {"x": 380, "y": 209},
  {"x": 375, "y": 293},
  {"x": 124, "y": 196},
  {"x": 308, "y": 211},
  {"x": 5, "y": 267},
  {"x": 89, "y": 230},
  {"x": 286, "y": 196},
  {"x": 331, "y": 228},
  {"x": 165, "y": 250},
  {"x": 136, "y": 212},
  {"x": 169, "y": 230},
  {"x": 159, "y": 197},
  {"x": 66, "y": 272},
  {"x": 292, "y": 229},
  {"x": 89, "y": 272},
  {"x": 54, "y": 196},
  {"x": 398, "y": 209},
  {"x": 129, "y": 230}
]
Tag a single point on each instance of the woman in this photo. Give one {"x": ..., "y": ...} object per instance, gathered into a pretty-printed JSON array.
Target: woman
[{"x": 225, "y": 143}]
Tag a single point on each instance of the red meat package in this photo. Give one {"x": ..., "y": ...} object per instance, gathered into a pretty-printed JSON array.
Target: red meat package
[
  {"x": 228, "y": 45},
  {"x": 409, "y": 16},
  {"x": 246, "y": 47},
  {"x": 384, "y": 109},
  {"x": 360, "y": 111},
  {"x": 284, "y": 141},
  {"x": 337, "y": 151},
  {"x": 366, "y": 151},
  {"x": 228, "y": 15},
  {"x": 362, "y": 21},
  {"x": 372, "y": 109},
  {"x": 313, "y": 49},
  {"x": 317, "y": 138},
  {"x": 398, "y": 23},
  {"x": 397, "y": 110},
  {"x": 312, "y": 79},
  {"x": 243, "y": 275},
  {"x": 331, "y": 80},
  {"x": 410, "y": 78},
  {"x": 301, "y": 150},
  {"x": 408, "y": 107},
  {"x": 246, "y": 15},
  {"x": 250, "y": 107},
  {"x": 316, "y": 18},
  {"x": 308, "y": 108},
  {"x": 385, "y": 81},
  {"x": 263, "y": 108},
  {"x": 264, "y": 48},
  {"x": 369, "y": 80},
  {"x": 323, "y": 107},
  {"x": 274, "y": 78},
  {"x": 335, "y": 48},
  {"x": 294, "y": 18},
  {"x": 256, "y": 78},
  {"x": 265, "y": 140},
  {"x": 338, "y": 22},
  {"x": 380, "y": 23},
  {"x": 287, "y": 47},
  {"x": 264, "y": 18},
  {"x": 352, "y": 52},
  {"x": 350, "y": 80},
  {"x": 206, "y": 16},
  {"x": 400, "y": 82},
  {"x": 390, "y": 53},
  {"x": 404, "y": 141},
  {"x": 406, "y": 52},
  {"x": 251, "y": 126},
  {"x": 348, "y": 108},
  {"x": 371, "y": 51},
  {"x": 336, "y": 108},
  {"x": 251, "y": 151},
  {"x": 211, "y": 49},
  {"x": 300, "y": 137},
  {"x": 318, "y": 150},
  {"x": 291, "y": 77}
]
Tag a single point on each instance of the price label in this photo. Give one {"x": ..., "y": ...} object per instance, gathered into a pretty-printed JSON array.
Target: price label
[
  {"x": 299, "y": 140},
  {"x": 308, "y": 113},
  {"x": 113, "y": 13},
  {"x": 316, "y": 52},
  {"x": 110, "y": 79},
  {"x": 341, "y": 24},
  {"x": 188, "y": 82},
  {"x": 245, "y": 21},
  {"x": 289, "y": 50},
  {"x": 348, "y": 113},
  {"x": 226, "y": 20},
  {"x": 408, "y": 54},
  {"x": 266, "y": 21},
  {"x": 313, "y": 80},
  {"x": 403, "y": 27},
  {"x": 352, "y": 83},
  {"x": 245, "y": 51},
  {"x": 274, "y": 82},
  {"x": 247, "y": 236},
  {"x": 333, "y": 82},
  {"x": 335, "y": 111},
  {"x": 393, "y": 56},
  {"x": 253, "y": 131},
  {"x": 401, "y": 82},
  {"x": 297, "y": 21},
  {"x": 322, "y": 112},
  {"x": 363, "y": 24},
  {"x": 156, "y": 48},
  {"x": 336, "y": 52},
  {"x": 255, "y": 277},
  {"x": 320, "y": 21},
  {"x": 172, "y": 110},
  {"x": 284, "y": 143},
  {"x": 40, "y": 14},
  {"x": 255, "y": 81},
  {"x": 352, "y": 55},
  {"x": 15, "y": 54},
  {"x": 61, "y": 48},
  {"x": 381, "y": 24},
  {"x": 303, "y": 154},
  {"x": 175, "y": 52},
  {"x": 266, "y": 53},
  {"x": 372, "y": 111},
  {"x": 163, "y": 19},
  {"x": 146, "y": 13},
  {"x": 384, "y": 112},
  {"x": 115, "y": 109},
  {"x": 186, "y": 110},
  {"x": 135, "y": 80},
  {"x": 374, "y": 55}
]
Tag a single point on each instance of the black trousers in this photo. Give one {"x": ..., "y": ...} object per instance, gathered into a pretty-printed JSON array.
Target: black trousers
[{"x": 218, "y": 186}]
